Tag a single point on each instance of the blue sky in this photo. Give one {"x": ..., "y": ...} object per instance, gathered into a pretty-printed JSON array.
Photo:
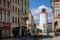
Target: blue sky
[
  {"x": 35, "y": 7},
  {"x": 37, "y": 3}
]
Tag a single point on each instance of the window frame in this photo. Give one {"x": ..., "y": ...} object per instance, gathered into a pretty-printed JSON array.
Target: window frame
[
  {"x": 13, "y": 19},
  {"x": 1, "y": 14},
  {"x": 8, "y": 17},
  {"x": 4, "y": 15},
  {"x": 0, "y": 2}
]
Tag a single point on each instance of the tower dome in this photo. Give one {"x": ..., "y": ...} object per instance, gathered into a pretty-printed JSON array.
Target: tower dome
[{"x": 43, "y": 10}]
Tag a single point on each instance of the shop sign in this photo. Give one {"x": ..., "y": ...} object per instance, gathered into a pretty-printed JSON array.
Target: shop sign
[{"x": 58, "y": 20}]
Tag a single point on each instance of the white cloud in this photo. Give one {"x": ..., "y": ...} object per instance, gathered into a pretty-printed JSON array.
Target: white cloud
[
  {"x": 35, "y": 17},
  {"x": 36, "y": 12},
  {"x": 50, "y": 18}
]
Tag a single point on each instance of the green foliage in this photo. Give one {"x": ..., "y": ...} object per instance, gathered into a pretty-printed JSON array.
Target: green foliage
[
  {"x": 57, "y": 30},
  {"x": 27, "y": 10},
  {"x": 34, "y": 25},
  {"x": 48, "y": 30}
]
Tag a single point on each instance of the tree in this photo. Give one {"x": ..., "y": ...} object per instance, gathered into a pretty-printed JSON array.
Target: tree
[{"x": 34, "y": 25}]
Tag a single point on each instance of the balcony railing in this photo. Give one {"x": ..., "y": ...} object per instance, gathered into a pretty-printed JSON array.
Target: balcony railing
[
  {"x": 25, "y": 16},
  {"x": 23, "y": 24}
]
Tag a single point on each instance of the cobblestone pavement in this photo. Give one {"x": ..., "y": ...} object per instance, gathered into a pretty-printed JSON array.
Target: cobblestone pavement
[{"x": 34, "y": 38}]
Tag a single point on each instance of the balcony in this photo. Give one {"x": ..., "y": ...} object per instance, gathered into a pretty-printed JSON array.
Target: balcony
[
  {"x": 23, "y": 24},
  {"x": 25, "y": 16}
]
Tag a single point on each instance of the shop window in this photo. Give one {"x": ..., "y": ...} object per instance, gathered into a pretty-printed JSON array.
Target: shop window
[{"x": 6, "y": 32}]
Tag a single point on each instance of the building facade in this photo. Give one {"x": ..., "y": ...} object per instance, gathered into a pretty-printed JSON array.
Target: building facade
[
  {"x": 49, "y": 24},
  {"x": 30, "y": 22},
  {"x": 55, "y": 5},
  {"x": 11, "y": 12},
  {"x": 38, "y": 26},
  {"x": 24, "y": 16},
  {"x": 5, "y": 19}
]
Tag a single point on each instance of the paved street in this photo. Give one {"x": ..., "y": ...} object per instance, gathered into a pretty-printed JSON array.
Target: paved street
[{"x": 34, "y": 38}]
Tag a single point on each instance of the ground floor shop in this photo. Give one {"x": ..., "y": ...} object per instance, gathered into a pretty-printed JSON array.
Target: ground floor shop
[{"x": 5, "y": 29}]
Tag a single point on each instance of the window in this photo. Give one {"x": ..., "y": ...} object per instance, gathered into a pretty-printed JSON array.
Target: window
[
  {"x": 13, "y": 0},
  {"x": 18, "y": 1},
  {"x": 25, "y": 2},
  {"x": 4, "y": 2},
  {"x": 28, "y": 2},
  {"x": 8, "y": 17},
  {"x": 13, "y": 8},
  {"x": 25, "y": 11},
  {"x": 59, "y": 11},
  {"x": 16, "y": 19},
  {"x": 18, "y": 10},
  {"x": 4, "y": 16},
  {"x": 8, "y": 3},
  {"x": 56, "y": 12},
  {"x": 13, "y": 19},
  {"x": 0, "y": 2},
  {"x": 0, "y": 15},
  {"x": 56, "y": 5}
]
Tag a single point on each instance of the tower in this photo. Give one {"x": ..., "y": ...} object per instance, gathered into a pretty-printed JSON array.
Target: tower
[{"x": 43, "y": 20}]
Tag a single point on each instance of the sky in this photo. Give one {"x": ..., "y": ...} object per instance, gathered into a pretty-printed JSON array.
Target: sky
[{"x": 36, "y": 5}]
